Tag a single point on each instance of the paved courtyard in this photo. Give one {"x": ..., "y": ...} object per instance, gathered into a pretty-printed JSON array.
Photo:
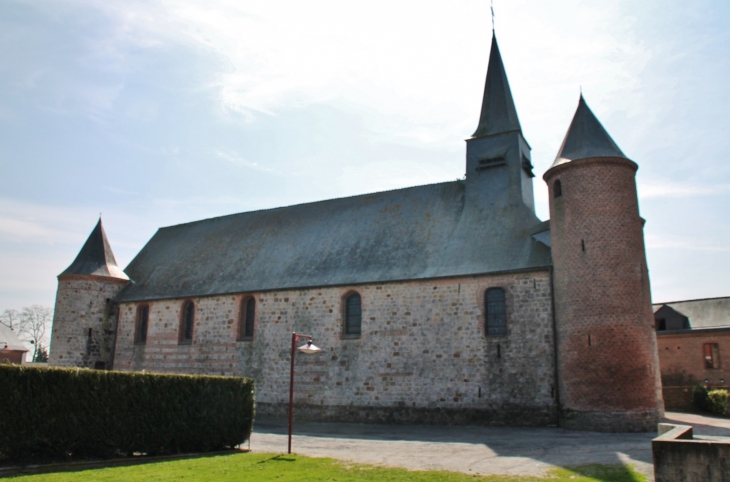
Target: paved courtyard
[{"x": 473, "y": 450}]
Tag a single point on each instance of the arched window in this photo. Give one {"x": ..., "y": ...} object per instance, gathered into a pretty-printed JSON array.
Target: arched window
[
  {"x": 140, "y": 329},
  {"x": 353, "y": 314},
  {"x": 187, "y": 322},
  {"x": 557, "y": 188},
  {"x": 495, "y": 312},
  {"x": 246, "y": 320}
]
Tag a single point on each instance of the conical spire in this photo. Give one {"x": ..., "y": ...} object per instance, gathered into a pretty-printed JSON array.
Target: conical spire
[
  {"x": 586, "y": 138},
  {"x": 96, "y": 257},
  {"x": 498, "y": 109}
]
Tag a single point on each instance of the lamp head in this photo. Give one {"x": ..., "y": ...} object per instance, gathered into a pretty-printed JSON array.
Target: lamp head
[{"x": 309, "y": 348}]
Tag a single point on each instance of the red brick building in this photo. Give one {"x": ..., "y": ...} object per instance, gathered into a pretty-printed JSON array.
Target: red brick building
[
  {"x": 12, "y": 350},
  {"x": 693, "y": 339}
]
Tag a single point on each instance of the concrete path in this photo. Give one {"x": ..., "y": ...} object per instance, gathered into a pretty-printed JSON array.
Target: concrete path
[{"x": 473, "y": 450}]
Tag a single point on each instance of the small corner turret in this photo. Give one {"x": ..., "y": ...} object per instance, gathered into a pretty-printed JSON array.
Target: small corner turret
[
  {"x": 96, "y": 258},
  {"x": 84, "y": 320},
  {"x": 608, "y": 371},
  {"x": 498, "y": 162}
]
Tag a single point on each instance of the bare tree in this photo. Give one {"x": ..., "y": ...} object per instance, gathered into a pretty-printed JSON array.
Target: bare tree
[
  {"x": 10, "y": 318},
  {"x": 33, "y": 323}
]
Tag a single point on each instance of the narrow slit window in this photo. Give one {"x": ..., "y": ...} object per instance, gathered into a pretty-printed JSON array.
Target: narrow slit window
[
  {"x": 353, "y": 314},
  {"x": 496, "y": 312},
  {"x": 188, "y": 321},
  {"x": 143, "y": 318},
  {"x": 557, "y": 188},
  {"x": 248, "y": 316}
]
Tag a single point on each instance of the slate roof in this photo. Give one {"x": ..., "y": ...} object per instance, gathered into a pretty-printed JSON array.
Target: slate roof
[
  {"x": 702, "y": 313},
  {"x": 499, "y": 114},
  {"x": 8, "y": 336},
  {"x": 586, "y": 137},
  {"x": 96, "y": 257},
  {"x": 407, "y": 234}
]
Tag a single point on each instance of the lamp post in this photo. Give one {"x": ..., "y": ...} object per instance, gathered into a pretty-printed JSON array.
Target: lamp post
[{"x": 308, "y": 348}]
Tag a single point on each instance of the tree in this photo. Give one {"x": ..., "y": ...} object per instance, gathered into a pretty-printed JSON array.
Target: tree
[
  {"x": 32, "y": 326},
  {"x": 10, "y": 318},
  {"x": 41, "y": 355}
]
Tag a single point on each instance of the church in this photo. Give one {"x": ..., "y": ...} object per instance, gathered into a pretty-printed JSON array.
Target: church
[{"x": 448, "y": 303}]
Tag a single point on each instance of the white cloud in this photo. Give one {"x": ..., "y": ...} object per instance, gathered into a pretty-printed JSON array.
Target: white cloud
[
  {"x": 235, "y": 159},
  {"x": 666, "y": 188}
]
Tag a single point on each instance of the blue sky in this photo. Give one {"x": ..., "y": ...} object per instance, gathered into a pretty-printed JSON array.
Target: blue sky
[{"x": 156, "y": 113}]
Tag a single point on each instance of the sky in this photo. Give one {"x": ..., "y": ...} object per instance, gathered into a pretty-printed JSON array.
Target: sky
[{"x": 155, "y": 113}]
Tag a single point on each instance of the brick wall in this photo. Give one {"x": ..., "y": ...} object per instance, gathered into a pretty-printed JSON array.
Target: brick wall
[
  {"x": 608, "y": 366},
  {"x": 422, "y": 356},
  {"x": 83, "y": 303},
  {"x": 682, "y": 363},
  {"x": 15, "y": 357}
]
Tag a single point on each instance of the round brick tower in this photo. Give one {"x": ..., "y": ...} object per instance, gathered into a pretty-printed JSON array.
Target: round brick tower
[
  {"x": 84, "y": 320},
  {"x": 608, "y": 370}
]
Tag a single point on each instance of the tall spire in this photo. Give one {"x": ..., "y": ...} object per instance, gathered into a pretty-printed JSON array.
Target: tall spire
[
  {"x": 586, "y": 138},
  {"x": 498, "y": 109},
  {"x": 96, "y": 257}
]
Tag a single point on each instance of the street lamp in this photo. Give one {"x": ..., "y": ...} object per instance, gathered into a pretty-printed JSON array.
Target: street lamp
[{"x": 309, "y": 348}]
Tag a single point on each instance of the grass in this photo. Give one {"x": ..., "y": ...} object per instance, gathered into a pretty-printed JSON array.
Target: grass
[{"x": 276, "y": 468}]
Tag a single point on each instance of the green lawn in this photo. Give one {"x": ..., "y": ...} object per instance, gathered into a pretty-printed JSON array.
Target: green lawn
[{"x": 272, "y": 467}]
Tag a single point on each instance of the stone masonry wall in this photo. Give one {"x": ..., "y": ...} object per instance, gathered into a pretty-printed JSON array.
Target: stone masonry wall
[
  {"x": 84, "y": 303},
  {"x": 422, "y": 356}
]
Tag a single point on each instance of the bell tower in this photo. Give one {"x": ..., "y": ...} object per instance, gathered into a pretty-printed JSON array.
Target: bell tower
[
  {"x": 608, "y": 370},
  {"x": 84, "y": 320},
  {"x": 498, "y": 165}
]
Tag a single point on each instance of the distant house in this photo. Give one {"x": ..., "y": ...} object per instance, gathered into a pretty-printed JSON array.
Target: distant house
[
  {"x": 12, "y": 350},
  {"x": 693, "y": 339}
]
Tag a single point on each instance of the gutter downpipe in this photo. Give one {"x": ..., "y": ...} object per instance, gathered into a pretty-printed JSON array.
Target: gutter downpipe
[{"x": 555, "y": 343}]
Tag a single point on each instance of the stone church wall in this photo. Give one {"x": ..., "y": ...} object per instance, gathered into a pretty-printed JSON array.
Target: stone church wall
[{"x": 422, "y": 357}]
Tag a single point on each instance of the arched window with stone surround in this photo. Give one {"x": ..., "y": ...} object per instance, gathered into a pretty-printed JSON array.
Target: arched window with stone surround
[
  {"x": 141, "y": 324},
  {"x": 353, "y": 314},
  {"x": 246, "y": 318},
  {"x": 495, "y": 311},
  {"x": 187, "y": 322}
]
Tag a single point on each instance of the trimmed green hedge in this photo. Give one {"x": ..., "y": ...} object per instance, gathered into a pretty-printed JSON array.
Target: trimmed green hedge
[{"x": 55, "y": 413}]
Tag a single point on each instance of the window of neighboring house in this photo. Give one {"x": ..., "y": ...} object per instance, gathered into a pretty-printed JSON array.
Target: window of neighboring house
[
  {"x": 140, "y": 332},
  {"x": 557, "y": 188},
  {"x": 247, "y": 317},
  {"x": 353, "y": 314},
  {"x": 661, "y": 324},
  {"x": 712, "y": 355},
  {"x": 187, "y": 322},
  {"x": 495, "y": 311}
]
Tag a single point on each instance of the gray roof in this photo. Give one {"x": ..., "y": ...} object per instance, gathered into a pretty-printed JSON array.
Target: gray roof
[
  {"x": 586, "y": 138},
  {"x": 702, "y": 313},
  {"x": 499, "y": 114},
  {"x": 13, "y": 342},
  {"x": 407, "y": 234},
  {"x": 96, "y": 257}
]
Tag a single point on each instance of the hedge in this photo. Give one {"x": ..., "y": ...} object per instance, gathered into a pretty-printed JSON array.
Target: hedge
[{"x": 57, "y": 413}]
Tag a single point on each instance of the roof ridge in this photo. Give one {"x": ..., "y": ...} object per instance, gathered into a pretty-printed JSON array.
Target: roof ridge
[
  {"x": 696, "y": 299},
  {"x": 311, "y": 203}
]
